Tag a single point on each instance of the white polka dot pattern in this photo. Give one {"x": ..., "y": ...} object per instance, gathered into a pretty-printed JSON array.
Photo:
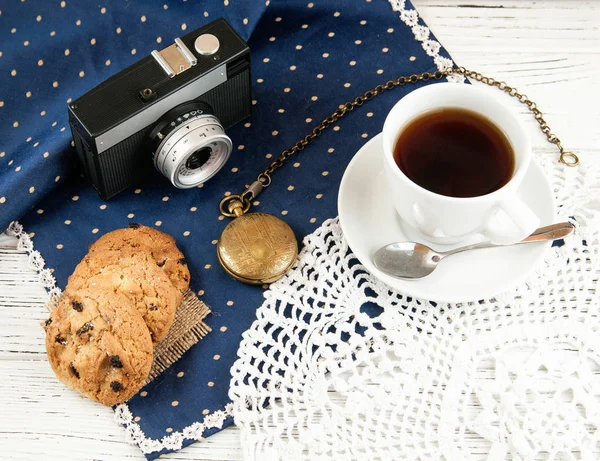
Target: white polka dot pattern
[{"x": 305, "y": 60}]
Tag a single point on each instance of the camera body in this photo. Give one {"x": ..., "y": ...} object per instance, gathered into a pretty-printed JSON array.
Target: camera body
[{"x": 200, "y": 85}]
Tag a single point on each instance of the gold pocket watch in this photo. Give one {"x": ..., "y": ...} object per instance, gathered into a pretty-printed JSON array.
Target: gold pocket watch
[{"x": 255, "y": 248}]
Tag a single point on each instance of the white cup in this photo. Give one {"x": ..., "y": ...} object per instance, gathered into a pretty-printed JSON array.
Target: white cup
[{"x": 501, "y": 216}]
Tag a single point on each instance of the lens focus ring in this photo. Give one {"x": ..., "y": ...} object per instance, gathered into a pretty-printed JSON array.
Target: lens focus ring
[{"x": 194, "y": 148}]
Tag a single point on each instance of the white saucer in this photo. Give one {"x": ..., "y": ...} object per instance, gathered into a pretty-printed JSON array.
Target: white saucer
[{"x": 369, "y": 221}]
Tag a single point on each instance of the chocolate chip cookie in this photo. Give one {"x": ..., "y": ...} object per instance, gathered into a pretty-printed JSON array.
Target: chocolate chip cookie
[
  {"x": 134, "y": 275},
  {"x": 99, "y": 345},
  {"x": 161, "y": 246}
]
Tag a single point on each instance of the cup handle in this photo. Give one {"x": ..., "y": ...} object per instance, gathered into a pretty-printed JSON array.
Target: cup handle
[{"x": 511, "y": 222}]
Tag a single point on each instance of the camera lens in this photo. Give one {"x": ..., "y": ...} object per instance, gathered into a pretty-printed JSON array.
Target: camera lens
[
  {"x": 198, "y": 158},
  {"x": 192, "y": 146}
]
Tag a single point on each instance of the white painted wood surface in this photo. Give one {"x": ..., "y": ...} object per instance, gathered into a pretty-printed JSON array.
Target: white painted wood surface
[{"x": 550, "y": 50}]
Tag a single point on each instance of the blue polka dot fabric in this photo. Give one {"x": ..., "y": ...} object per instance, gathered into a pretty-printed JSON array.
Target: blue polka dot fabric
[{"x": 307, "y": 59}]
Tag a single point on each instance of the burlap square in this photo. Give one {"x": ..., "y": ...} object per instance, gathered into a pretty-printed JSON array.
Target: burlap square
[{"x": 188, "y": 328}]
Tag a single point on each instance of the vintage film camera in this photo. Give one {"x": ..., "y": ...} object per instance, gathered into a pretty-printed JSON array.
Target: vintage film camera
[{"x": 170, "y": 108}]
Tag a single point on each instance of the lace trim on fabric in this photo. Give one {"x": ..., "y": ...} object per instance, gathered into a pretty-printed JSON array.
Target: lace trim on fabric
[
  {"x": 173, "y": 441},
  {"x": 422, "y": 34},
  {"x": 36, "y": 262}
]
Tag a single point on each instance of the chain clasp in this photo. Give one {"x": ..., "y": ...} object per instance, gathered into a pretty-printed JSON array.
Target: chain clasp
[
  {"x": 233, "y": 206},
  {"x": 569, "y": 158}
]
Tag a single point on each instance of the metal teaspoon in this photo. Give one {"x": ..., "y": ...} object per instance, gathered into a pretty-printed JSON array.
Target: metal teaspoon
[{"x": 410, "y": 260}]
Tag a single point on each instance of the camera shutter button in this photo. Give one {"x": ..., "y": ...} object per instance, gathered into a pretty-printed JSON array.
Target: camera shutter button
[{"x": 207, "y": 44}]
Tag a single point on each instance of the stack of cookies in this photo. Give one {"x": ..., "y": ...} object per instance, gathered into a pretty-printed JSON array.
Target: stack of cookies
[{"x": 118, "y": 304}]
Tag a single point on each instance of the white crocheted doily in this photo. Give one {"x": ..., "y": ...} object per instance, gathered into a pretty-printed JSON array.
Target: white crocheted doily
[{"x": 338, "y": 366}]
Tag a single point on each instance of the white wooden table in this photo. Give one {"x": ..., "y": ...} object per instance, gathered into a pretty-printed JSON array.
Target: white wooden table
[{"x": 550, "y": 50}]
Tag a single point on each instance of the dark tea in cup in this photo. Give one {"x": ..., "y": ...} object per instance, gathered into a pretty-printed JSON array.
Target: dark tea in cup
[
  {"x": 455, "y": 152},
  {"x": 454, "y": 161}
]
